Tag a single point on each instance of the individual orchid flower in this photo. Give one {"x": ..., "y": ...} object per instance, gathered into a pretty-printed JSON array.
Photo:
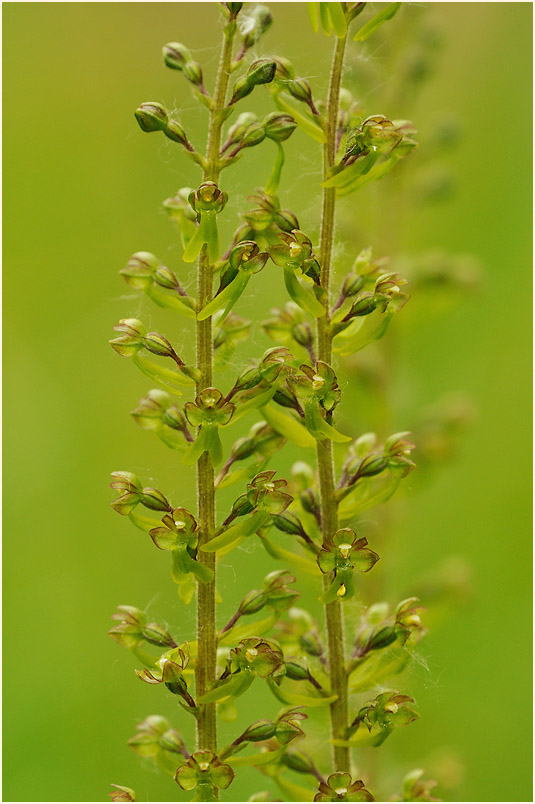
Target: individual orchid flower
[
  {"x": 209, "y": 412},
  {"x": 179, "y": 535},
  {"x": 343, "y": 556}
]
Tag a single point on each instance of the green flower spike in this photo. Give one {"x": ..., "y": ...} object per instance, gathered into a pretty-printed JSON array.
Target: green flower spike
[
  {"x": 318, "y": 386},
  {"x": 207, "y": 202},
  {"x": 204, "y": 773},
  {"x": 340, "y": 787},
  {"x": 294, "y": 255},
  {"x": 179, "y": 534},
  {"x": 344, "y": 556},
  {"x": 209, "y": 412},
  {"x": 244, "y": 260}
]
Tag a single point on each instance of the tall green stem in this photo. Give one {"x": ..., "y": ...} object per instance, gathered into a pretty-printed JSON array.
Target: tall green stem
[
  {"x": 205, "y": 671},
  {"x": 329, "y": 515}
]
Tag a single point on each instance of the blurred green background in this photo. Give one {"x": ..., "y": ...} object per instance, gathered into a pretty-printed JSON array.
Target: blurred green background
[{"x": 82, "y": 191}]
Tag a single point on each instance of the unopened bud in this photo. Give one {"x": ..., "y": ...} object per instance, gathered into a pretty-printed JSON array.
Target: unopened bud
[
  {"x": 372, "y": 466},
  {"x": 175, "y": 132},
  {"x": 261, "y": 71},
  {"x": 363, "y": 305},
  {"x": 253, "y": 136},
  {"x": 154, "y": 499},
  {"x": 140, "y": 269},
  {"x": 158, "y": 345},
  {"x": 175, "y": 55},
  {"x": 257, "y": 22},
  {"x": 157, "y": 635},
  {"x": 303, "y": 335},
  {"x": 309, "y": 501},
  {"x": 296, "y": 671},
  {"x": 253, "y": 602},
  {"x": 353, "y": 284},
  {"x": 298, "y": 762},
  {"x": 288, "y": 523},
  {"x": 300, "y": 90},
  {"x": 263, "y": 730},
  {"x": 173, "y": 418},
  {"x": 279, "y": 126},
  {"x": 151, "y": 116},
  {"x": 193, "y": 72},
  {"x": 382, "y": 638}
]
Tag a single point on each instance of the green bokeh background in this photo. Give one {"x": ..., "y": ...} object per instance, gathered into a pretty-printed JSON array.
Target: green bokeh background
[{"x": 82, "y": 191}]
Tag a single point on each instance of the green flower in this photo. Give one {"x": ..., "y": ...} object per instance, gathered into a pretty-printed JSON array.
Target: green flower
[
  {"x": 381, "y": 716},
  {"x": 340, "y": 787},
  {"x": 209, "y": 411},
  {"x": 134, "y": 629},
  {"x": 344, "y": 555},
  {"x": 179, "y": 535},
  {"x": 204, "y": 771}
]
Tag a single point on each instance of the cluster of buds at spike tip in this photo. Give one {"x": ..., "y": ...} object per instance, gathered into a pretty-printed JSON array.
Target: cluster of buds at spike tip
[
  {"x": 261, "y": 71},
  {"x": 133, "y": 629},
  {"x": 288, "y": 325},
  {"x": 169, "y": 670},
  {"x": 178, "y": 534},
  {"x": 152, "y": 116},
  {"x": 145, "y": 272},
  {"x": 204, "y": 773},
  {"x": 177, "y": 57},
  {"x": 208, "y": 413},
  {"x": 340, "y": 786},
  {"x": 155, "y": 412},
  {"x": 379, "y": 717},
  {"x": 133, "y": 494},
  {"x": 275, "y": 594},
  {"x": 344, "y": 555},
  {"x": 155, "y": 739}
]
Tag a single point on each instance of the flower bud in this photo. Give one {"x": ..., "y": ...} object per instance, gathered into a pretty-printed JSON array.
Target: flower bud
[
  {"x": 261, "y": 71},
  {"x": 372, "y": 466},
  {"x": 353, "y": 284},
  {"x": 309, "y": 501},
  {"x": 298, "y": 762},
  {"x": 174, "y": 418},
  {"x": 175, "y": 132},
  {"x": 172, "y": 741},
  {"x": 236, "y": 132},
  {"x": 139, "y": 271},
  {"x": 131, "y": 339},
  {"x": 303, "y": 335},
  {"x": 363, "y": 305},
  {"x": 253, "y": 602},
  {"x": 253, "y": 136},
  {"x": 254, "y": 24},
  {"x": 243, "y": 448},
  {"x": 279, "y": 126},
  {"x": 158, "y": 345},
  {"x": 296, "y": 671},
  {"x": 263, "y": 730},
  {"x": 154, "y": 499},
  {"x": 285, "y": 70},
  {"x": 300, "y": 89},
  {"x": 122, "y": 793},
  {"x": 193, "y": 72},
  {"x": 165, "y": 278},
  {"x": 151, "y": 116},
  {"x": 288, "y": 523},
  {"x": 157, "y": 635},
  {"x": 310, "y": 642},
  {"x": 175, "y": 55},
  {"x": 382, "y": 638}
]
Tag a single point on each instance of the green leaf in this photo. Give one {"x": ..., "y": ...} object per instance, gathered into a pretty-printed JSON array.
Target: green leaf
[
  {"x": 318, "y": 427},
  {"x": 294, "y": 559},
  {"x": 309, "y": 126},
  {"x": 196, "y": 449},
  {"x": 338, "y": 19},
  {"x": 233, "y": 686},
  {"x": 172, "y": 380},
  {"x": 239, "y": 530},
  {"x": 375, "y": 22},
  {"x": 227, "y": 298},
  {"x": 171, "y": 302},
  {"x": 366, "y": 495},
  {"x": 257, "y": 760},
  {"x": 302, "y": 296},
  {"x": 287, "y": 426},
  {"x": 295, "y": 699},
  {"x": 293, "y": 792},
  {"x": 348, "y": 175},
  {"x": 239, "y": 632}
]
